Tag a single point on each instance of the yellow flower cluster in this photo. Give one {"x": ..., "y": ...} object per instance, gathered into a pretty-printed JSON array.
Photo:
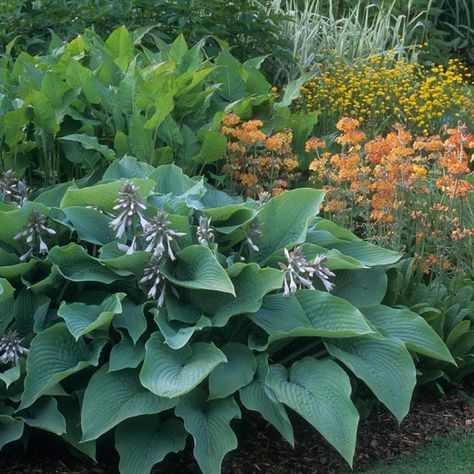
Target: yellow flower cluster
[{"x": 381, "y": 92}]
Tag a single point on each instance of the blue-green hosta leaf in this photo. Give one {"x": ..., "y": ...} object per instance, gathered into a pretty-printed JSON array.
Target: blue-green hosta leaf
[
  {"x": 11, "y": 429},
  {"x": 28, "y": 307},
  {"x": 75, "y": 264},
  {"x": 335, "y": 259},
  {"x": 122, "y": 263},
  {"x": 236, "y": 373},
  {"x": 209, "y": 424},
  {"x": 126, "y": 354},
  {"x": 82, "y": 318},
  {"x": 227, "y": 219},
  {"x": 91, "y": 225},
  {"x": 144, "y": 441},
  {"x": 44, "y": 415},
  {"x": 6, "y": 304},
  {"x": 199, "y": 269},
  {"x": 70, "y": 408},
  {"x": 367, "y": 253},
  {"x": 10, "y": 375},
  {"x": 112, "y": 397},
  {"x": 18, "y": 270},
  {"x": 320, "y": 391},
  {"x": 103, "y": 196},
  {"x": 132, "y": 319},
  {"x": 171, "y": 373},
  {"x": 171, "y": 179},
  {"x": 54, "y": 355},
  {"x": 128, "y": 167},
  {"x": 362, "y": 287},
  {"x": 257, "y": 396},
  {"x": 251, "y": 284},
  {"x": 284, "y": 220},
  {"x": 385, "y": 365},
  {"x": 410, "y": 328},
  {"x": 176, "y": 333},
  {"x": 309, "y": 313}
]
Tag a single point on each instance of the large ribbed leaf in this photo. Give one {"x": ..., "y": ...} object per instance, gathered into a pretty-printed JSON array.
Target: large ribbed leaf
[
  {"x": 320, "y": 391},
  {"x": 209, "y": 424},
  {"x": 83, "y": 318},
  {"x": 112, "y": 397},
  {"x": 410, "y": 328},
  {"x": 126, "y": 354},
  {"x": 75, "y": 264},
  {"x": 44, "y": 415},
  {"x": 237, "y": 372},
  {"x": 171, "y": 373},
  {"x": 284, "y": 220},
  {"x": 119, "y": 46},
  {"x": 367, "y": 253},
  {"x": 251, "y": 284},
  {"x": 144, "y": 441},
  {"x": 362, "y": 287},
  {"x": 6, "y": 304},
  {"x": 199, "y": 269},
  {"x": 309, "y": 313},
  {"x": 385, "y": 365},
  {"x": 103, "y": 196},
  {"x": 257, "y": 396},
  {"x": 176, "y": 333},
  {"x": 54, "y": 355},
  {"x": 132, "y": 319}
]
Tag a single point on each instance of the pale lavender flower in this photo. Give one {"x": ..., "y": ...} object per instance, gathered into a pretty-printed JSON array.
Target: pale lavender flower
[
  {"x": 11, "y": 348},
  {"x": 255, "y": 232},
  {"x": 131, "y": 208},
  {"x": 13, "y": 189},
  {"x": 159, "y": 235},
  {"x": 204, "y": 232},
  {"x": 299, "y": 273},
  {"x": 263, "y": 198},
  {"x": 153, "y": 279},
  {"x": 34, "y": 232}
]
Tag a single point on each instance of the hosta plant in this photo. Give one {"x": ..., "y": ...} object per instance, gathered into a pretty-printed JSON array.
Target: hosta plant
[{"x": 155, "y": 307}]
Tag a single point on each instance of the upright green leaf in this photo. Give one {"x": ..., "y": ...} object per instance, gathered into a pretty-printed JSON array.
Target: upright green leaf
[
  {"x": 172, "y": 373},
  {"x": 144, "y": 441},
  {"x": 385, "y": 365},
  {"x": 119, "y": 46},
  {"x": 320, "y": 391},
  {"x": 236, "y": 373},
  {"x": 112, "y": 397},
  {"x": 82, "y": 318},
  {"x": 54, "y": 355},
  {"x": 258, "y": 397},
  {"x": 209, "y": 424},
  {"x": 284, "y": 220}
]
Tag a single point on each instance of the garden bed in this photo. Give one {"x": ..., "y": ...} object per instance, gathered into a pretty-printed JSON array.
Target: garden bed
[{"x": 262, "y": 451}]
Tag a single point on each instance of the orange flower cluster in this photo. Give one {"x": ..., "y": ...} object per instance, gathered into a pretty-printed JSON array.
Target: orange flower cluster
[
  {"x": 255, "y": 161},
  {"x": 404, "y": 191}
]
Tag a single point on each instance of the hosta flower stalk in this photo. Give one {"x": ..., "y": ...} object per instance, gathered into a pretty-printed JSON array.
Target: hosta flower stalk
[
  {"x": 299, "y": 273},
  {"x": 14, "y": 190},
  {"x": 11, "y": 348},
  {"x": 204, "y": 232},
  {"x": 159, "y": 235},
  {"x": 131, "y": 208},
  {"x": 34, "y": 233}
]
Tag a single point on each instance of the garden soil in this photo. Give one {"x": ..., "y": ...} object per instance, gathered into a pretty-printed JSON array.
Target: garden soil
[{"x": 262, "y": 450}]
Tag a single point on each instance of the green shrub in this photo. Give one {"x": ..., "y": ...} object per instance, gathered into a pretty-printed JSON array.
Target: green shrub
[
  {"x": 164, "y": 305},
  {"x": 89, "y": 102}
]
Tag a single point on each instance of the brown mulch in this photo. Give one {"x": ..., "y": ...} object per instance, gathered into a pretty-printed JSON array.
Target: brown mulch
[{"x": 261, "y": 449}]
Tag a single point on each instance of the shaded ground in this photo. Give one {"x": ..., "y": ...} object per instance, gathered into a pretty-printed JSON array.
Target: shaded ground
[{"x": 261, "y": 450}]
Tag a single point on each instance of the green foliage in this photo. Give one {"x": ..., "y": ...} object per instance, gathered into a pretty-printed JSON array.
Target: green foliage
[
  {"x": 88, "y": 102},
  {"x": 28, "y": 25},
  {"x": 169, "y": 328},
  {"x": 448, "y": 308}
]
